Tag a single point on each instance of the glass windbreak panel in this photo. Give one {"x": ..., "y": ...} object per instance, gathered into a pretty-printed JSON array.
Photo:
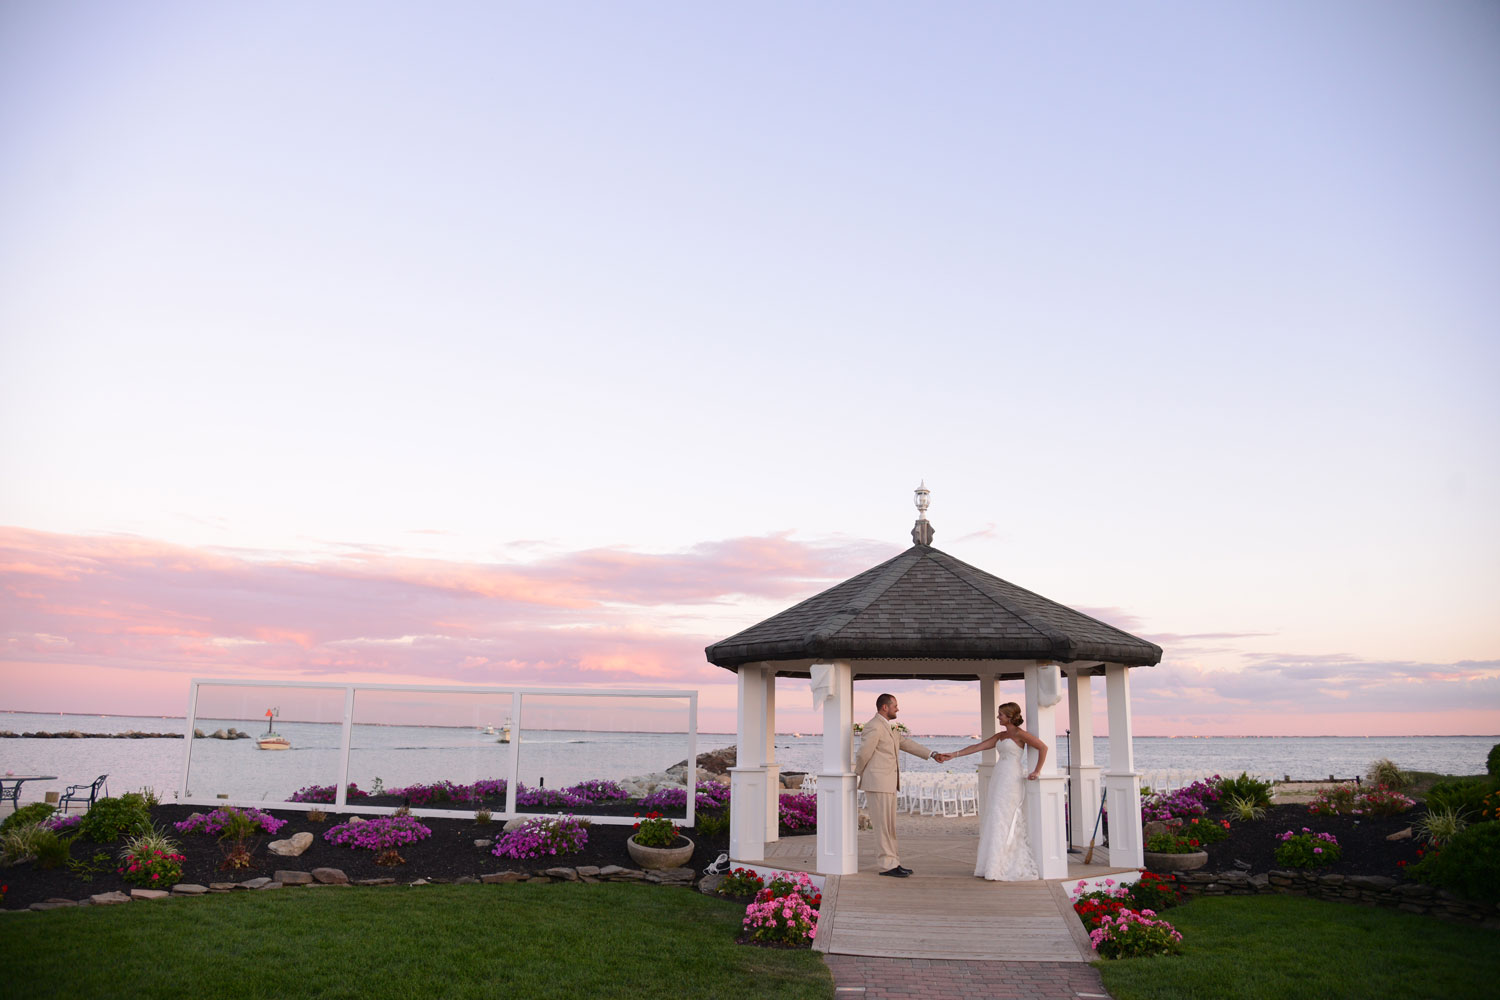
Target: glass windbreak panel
[
  {"x": 603, "y": 755},
  {"x": 430, "y": 750},
  {"x": 242, "y": 753}
]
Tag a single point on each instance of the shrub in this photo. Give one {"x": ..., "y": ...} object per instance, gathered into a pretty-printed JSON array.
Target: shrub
[
  {"x": 546, "y": 835},
  {"x": 786, "y": 883},
  {"x": 1146, "y": 895},
  {"x": 1440, "y": 825},
  {"x": 1307, "y": 849},
  {"x": 1492, "y": 762},
  {"x": 1205, "y": 831},
  {"x": 784, "y": 912},
  {"x": 787, "y": 920},
  {"x": 740, "y": 883},
  {"x": 655, "y": 830},
  {"x": 1340, "y": 800},
  {"x": 154, "y": 841},
  {"x": 799, "y": 811},
  {"x": 317, "y": 816},
  {"x": 1093, "y": 907},
  {"x": 143, "y": 863},
  {"x": 713, "y": 824},
  {"x": 231, "y": 823},
  {"x": 1183, "y": 803},
  {"x": 384, "y": 835},
  {"x": 1466, "y": 794},
  {"x": 1246, "y": 810},
  {"x": 482, "y": 816},
  {"x": 1131, "y": 934},
  {"x": 61, "y": 824},
  {"x": 1469, "y": 864},
  {"x": 595, "y": 790},
  {"x": 110, "y": 819},
  {"x": 85, "y": 870},
  {"x": 325, "y": 793},
  {"x": 35, "y": 812},
  {"x": 1246, "y": 787},
  {"x": 32, "y": 841},
  {"x": 1382, "y": 801},
  {"x": 1172, "y": 843},
  {"x": 1384, "y": 772},
  {"x": 1153, "y": 892},
  {"x": 709, "y": 795}
]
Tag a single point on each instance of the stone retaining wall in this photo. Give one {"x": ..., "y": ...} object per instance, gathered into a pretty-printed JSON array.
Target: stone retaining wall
[{"x": 1365, "y": 890}]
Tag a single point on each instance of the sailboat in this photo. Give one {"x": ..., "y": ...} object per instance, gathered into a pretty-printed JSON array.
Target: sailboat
[{"x": 273, "y": 740}]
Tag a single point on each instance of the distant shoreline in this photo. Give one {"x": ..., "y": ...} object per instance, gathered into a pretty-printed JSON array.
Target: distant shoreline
[{"x": 730, "y": 735}]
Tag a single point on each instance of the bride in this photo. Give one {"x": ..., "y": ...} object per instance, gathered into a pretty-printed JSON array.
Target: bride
[{"x": 1004, "y": 847}]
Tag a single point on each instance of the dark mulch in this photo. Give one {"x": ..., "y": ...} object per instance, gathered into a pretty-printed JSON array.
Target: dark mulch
[
  {"x": 447, "y": 855},
  {"x": 1363, "y": 840},
  {"x": 450, "y": 853}
]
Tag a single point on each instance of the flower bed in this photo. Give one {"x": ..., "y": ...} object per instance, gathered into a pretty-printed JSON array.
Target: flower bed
[
  {"x": 216, "y": 822},
  {"x": 545, "y": 836}
]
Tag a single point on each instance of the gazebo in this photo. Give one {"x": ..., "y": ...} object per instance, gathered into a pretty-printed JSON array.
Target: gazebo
[{"x": 926, "y": 615}]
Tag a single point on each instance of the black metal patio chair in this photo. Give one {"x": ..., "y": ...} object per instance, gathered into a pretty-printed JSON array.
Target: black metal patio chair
[{"x": 81, "y": 794}]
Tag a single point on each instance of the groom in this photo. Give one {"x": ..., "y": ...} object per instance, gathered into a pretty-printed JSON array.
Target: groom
[{"x": 879, "y": 771}]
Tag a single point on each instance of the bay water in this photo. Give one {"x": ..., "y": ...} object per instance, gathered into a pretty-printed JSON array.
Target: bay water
[{"x": 401, "y": 755}]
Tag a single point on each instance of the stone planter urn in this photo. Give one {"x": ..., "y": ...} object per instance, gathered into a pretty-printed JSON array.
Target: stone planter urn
[
  {"x": 1162, "y": 863},
  {"x": 662, "y": 857}
]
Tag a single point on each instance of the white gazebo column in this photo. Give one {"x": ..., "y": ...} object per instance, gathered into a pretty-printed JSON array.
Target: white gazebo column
[
  {"x": 988, "y": 702},
  {"x": 838, "y": 810},
  {"x": 1044, "y": 797},
  {"x": 1083, "y": 776},
  {"x": 773, "y": 770},
  {"x": 1122, "y": 785},
  {"x": 747, "y": 779}
]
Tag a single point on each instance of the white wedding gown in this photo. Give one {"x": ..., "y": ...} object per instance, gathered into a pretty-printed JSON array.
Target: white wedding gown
[{"x": 1004, "y": 846}]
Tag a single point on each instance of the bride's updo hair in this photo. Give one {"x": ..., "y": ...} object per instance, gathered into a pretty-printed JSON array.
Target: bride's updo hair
[{"x": 1012, "y": 711}]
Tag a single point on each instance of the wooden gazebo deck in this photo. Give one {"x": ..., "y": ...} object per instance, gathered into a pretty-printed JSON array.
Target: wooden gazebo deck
[{"x": 942, "y": 911}]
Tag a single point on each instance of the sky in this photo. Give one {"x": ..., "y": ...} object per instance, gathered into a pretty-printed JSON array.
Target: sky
[{"x": 546, "y": 344}]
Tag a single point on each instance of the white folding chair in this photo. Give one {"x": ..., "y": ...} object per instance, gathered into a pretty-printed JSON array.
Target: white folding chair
[
  {"x": 929, "y": 798},
  {"x": 903, "y": 797},
  {"x": 968, "y": 796},
  {"x": 948, "y": 797}
]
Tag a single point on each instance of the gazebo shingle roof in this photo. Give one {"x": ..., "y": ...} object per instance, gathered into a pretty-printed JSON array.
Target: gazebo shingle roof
[{"x": 925, "y": 604}]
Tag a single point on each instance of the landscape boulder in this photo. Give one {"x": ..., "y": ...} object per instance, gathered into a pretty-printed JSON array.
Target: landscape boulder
[{"x": 292, "y": 846}]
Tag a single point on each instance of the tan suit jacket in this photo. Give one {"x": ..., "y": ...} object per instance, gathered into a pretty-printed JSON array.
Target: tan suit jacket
[{"x": 878, "y": 766}]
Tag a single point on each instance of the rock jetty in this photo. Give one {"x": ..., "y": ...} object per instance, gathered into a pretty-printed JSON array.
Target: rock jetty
[
  {"x": 73, "y": 734},
  {"x": 132, "y": 733}
]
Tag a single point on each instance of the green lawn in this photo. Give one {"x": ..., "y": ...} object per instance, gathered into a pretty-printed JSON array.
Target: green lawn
[
  {"x": 1277, "y": 947},
  {"x": 513, "y": 941}
]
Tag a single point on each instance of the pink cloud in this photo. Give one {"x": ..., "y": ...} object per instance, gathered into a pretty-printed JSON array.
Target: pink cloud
[{"x": 111, "y": 618}]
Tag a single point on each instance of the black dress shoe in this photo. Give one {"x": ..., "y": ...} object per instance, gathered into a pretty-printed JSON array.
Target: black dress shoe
[
  {"x": 897, "y": 872},
  {"x": 904, "y": 870}
]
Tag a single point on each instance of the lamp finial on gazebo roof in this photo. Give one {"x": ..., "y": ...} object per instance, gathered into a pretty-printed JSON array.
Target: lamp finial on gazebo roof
[{"x": 921, "y": 532}]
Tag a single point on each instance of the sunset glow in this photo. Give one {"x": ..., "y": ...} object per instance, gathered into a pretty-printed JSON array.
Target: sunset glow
[{"x": 546, "y": 345}]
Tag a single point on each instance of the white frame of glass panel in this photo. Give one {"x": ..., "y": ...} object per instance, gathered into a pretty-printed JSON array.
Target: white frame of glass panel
[{"x": 517, "y": 694}]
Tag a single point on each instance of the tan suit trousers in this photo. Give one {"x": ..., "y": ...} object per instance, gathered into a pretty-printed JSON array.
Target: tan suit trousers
[{"x": 882, "y": 809}]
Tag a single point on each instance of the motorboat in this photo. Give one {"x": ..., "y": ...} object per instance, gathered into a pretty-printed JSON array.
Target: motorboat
[
  {"x": 270, "y": 739},
  {"x": 504, "y": 735}
]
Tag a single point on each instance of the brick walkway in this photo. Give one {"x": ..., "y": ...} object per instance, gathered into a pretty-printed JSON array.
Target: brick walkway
[{"x": 858, "y": 978}]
